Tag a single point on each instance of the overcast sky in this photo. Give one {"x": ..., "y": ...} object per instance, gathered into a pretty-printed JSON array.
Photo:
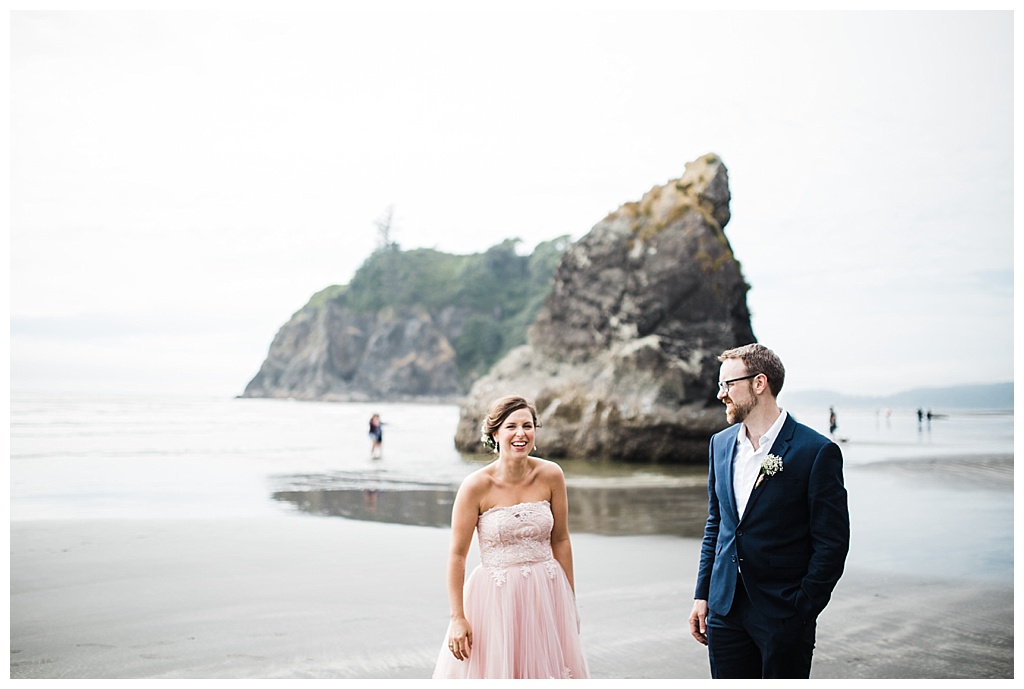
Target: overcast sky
[{"x": 183, "y": 182}]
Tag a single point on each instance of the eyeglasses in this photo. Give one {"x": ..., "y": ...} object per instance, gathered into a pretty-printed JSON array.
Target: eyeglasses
[{"x": 723, "y": 386}]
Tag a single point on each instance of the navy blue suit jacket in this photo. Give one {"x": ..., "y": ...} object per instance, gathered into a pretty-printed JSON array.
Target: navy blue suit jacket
[{"x": 792, "y": 541}]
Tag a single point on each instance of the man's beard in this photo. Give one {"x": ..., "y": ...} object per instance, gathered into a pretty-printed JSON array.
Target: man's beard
[{"x": 739, "y": 412}]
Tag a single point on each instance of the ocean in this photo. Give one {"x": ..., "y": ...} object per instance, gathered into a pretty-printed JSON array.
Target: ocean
[{"x": 79, "y": 456}]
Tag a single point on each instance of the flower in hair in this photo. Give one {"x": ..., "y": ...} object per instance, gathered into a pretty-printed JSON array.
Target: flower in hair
[{"x": 487, "y": 439}]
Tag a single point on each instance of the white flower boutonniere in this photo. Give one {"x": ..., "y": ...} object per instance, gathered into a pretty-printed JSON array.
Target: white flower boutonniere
[{"x": 771, "y": 465}]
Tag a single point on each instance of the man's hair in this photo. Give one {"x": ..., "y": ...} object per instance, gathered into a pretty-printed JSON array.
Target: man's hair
[
  {"x": 501, "y": 408},
  {"x": 759, "y": 359}
]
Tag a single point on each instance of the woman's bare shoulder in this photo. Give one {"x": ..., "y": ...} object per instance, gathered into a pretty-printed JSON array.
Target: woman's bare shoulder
[
  {"x": 478, "y": 482},
  {"x": 548, "y": 469}
]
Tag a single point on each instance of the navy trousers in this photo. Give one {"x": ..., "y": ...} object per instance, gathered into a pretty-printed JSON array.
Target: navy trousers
[{"x": 744, "y": 644}]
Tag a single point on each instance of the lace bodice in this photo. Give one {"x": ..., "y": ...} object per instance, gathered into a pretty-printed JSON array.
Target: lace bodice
[{"x": 516, "y": 536}]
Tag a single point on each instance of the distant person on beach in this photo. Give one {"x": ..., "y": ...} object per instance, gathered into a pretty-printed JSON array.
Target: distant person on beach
[
  {"x": 777, "y": 533},
  {"x": 832, "y": 424},
  {"x": 920, "y": 417},
  {"x": 376, "y": 437},
  {"x": 515, "y": 617}
]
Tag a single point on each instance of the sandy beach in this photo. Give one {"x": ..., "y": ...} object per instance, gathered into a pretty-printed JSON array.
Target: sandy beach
[{"x": 306, "y": 596}]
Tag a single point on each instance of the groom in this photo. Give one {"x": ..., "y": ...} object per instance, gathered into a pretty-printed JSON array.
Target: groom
[{"x": 778, "y": 528}]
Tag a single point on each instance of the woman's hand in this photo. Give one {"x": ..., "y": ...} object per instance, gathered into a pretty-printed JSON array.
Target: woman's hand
[{"x": 460, "y": 638}]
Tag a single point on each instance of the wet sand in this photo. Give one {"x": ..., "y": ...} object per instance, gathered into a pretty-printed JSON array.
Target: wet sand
[{"x": 307, "y": 596}]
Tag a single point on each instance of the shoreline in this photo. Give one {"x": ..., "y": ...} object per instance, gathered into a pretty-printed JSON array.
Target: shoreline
[
  {"x": 264, "y": 598},
  {"x": 295, "y": 595}
]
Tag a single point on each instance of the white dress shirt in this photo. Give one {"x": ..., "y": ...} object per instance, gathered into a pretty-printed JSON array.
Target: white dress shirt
[{"x": 747, "y": 461}]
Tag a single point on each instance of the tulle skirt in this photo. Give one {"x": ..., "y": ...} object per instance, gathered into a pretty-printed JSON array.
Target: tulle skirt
[{"x": 525, "y": 626}]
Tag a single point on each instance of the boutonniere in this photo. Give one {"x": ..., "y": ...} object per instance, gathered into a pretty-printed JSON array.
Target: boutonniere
[{"x": 771, "y": 465}]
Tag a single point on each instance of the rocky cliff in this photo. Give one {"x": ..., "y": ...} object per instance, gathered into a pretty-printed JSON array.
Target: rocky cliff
[
  {"x": 622, "y": 357},
  {"x": 411, "y": 325},
  {"x": 330, "y": 352}
]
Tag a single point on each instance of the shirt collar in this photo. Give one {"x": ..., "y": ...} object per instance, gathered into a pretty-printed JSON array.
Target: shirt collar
[{"x": 768, "y": 439}]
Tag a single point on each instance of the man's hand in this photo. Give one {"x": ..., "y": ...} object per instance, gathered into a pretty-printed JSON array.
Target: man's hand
[{"x": 699, "y": 621}]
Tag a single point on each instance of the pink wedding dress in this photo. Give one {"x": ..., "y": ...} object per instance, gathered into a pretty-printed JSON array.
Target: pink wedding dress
[{"x": 519, "y": 603}]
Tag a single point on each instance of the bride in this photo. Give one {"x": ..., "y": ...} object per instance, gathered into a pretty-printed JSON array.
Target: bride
[{"x": 515, "y": 616}]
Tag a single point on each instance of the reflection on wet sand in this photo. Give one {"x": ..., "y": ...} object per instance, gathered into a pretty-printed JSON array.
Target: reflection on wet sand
[
  {"x": 419, "y": 507},
  {"x": 678, "y": 509}
]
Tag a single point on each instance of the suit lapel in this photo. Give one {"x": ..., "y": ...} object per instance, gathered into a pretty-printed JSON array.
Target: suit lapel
[
  {"x": 724, "y": 466},
  {"x": 778, "y": 448}
]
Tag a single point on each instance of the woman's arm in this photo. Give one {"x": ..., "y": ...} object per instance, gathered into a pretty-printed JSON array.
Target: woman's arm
[
  {"x": 464, "y": 516},
  {"x": 561, "y": 547}
]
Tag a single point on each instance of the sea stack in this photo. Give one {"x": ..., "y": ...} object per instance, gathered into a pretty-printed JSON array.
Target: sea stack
[{"x": 621, "y": 360}]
